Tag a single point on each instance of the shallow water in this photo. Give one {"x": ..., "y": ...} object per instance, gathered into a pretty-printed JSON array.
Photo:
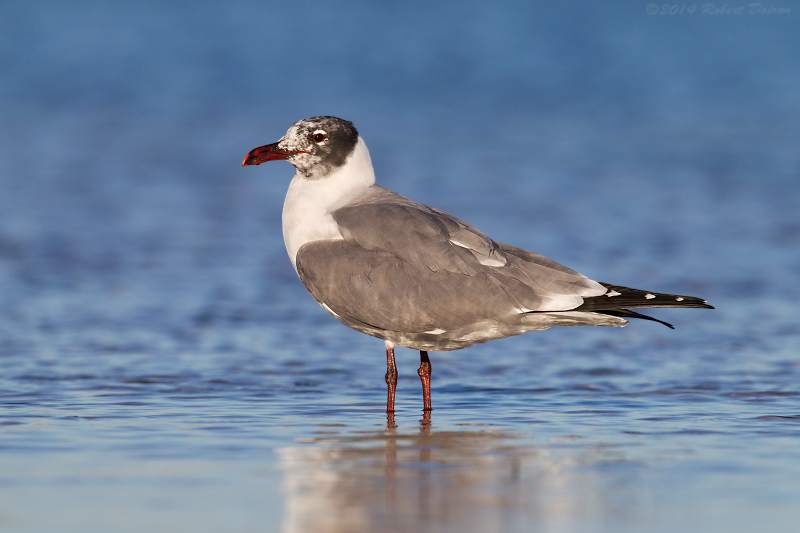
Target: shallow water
[{"x": 162, "y": 368}]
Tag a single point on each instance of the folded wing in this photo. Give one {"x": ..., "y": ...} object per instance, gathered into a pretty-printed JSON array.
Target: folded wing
[{"x": 403, "y": 266}]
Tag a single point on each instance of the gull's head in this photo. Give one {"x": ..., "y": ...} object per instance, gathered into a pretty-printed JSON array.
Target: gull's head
[{"x": 316, "y": 147}]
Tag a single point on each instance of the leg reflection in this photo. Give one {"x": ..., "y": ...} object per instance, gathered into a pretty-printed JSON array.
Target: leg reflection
[
  {"x": 426, "y": 445},
  {"x": 425, "y": 423},
  {"x": 390, "y": 442}
]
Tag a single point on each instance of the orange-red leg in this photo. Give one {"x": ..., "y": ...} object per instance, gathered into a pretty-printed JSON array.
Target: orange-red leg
[
  {"x": 391, "y": 378},
  {"x": 425, "y": 375}
]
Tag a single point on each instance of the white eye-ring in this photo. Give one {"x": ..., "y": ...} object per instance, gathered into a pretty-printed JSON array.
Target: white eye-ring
[{"x": 319, "y": 136}]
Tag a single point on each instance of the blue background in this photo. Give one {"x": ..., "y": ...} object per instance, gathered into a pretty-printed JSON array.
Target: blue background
[{"x": 145, "y": 285}]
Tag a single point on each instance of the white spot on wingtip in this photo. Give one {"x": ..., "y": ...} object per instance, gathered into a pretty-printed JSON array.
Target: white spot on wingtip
[
  {"x": 679, "y": 299},
  {"x": 612, "y": 293},
  {"x": 649, "y": 296},
  {"x": 436, "y": 331}
]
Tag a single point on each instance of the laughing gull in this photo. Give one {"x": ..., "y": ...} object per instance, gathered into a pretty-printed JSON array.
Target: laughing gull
[{"x": 416, "y": 276}]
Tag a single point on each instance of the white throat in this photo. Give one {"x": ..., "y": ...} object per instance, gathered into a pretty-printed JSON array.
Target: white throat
[{"x": 309, "y": 203}]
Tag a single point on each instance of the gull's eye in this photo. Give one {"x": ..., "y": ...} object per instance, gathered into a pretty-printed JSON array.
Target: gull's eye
[{"x": 319, "y": 137}]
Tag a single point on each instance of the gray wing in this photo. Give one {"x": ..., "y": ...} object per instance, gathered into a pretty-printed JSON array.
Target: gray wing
[
  {"x": 375, "y": 288},
  {"x": 404, "y": 266}
]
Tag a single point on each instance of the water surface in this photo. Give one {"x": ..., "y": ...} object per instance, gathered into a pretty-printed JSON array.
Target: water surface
[{"x": 162, "y": 368}]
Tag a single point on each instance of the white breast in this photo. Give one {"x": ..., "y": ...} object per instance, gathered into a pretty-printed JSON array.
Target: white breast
[{"x": 309, "y": 203}]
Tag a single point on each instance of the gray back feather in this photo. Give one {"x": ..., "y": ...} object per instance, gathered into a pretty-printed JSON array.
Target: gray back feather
[{"x": 404, "y": 266}]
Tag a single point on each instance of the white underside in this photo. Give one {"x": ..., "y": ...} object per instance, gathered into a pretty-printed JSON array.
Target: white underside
[
  {"x": 487, "y": 330},
  {"x": 309, "y": 203}
]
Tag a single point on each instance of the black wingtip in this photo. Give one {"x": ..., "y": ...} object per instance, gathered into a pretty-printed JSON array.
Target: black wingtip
[
  {"x": 619, "y": 297},
  {"x": 627, "y": 313}
]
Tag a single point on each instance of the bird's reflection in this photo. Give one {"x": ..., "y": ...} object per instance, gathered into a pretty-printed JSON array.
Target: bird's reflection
[{"x": 475, "y": 479}]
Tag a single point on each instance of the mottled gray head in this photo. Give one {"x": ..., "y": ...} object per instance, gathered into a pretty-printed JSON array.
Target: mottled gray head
[{"x": 315, "y": 146}]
